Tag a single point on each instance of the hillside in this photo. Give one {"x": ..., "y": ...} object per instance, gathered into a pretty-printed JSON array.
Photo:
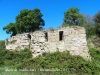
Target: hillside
[{"x": 58, "y": 63}]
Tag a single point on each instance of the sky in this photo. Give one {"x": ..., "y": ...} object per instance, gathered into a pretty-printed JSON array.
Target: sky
[{"x": 52, "y": 10}]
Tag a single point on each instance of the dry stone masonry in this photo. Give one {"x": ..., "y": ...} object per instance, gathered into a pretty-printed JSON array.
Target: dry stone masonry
[{"x": 72, "y": 39}]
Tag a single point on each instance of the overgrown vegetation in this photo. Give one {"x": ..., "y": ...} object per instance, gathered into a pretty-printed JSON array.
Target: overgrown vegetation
[
  {"x": 94, "y": 42},
  {"x": 58, "y": 63},
  {"x": 11, "y": 58},
  {"x": 63, "y": 61}
]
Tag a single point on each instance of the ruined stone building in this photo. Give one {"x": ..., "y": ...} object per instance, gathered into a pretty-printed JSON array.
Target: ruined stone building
[{"x": 72, "y": 39}]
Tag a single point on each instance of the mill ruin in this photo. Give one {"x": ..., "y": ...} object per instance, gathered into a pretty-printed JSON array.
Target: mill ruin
[{"x": 72, "y": 39}]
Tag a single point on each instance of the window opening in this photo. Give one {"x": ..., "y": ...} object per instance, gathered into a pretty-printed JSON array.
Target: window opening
[
  {"x": 29, "y": 36},
  {"x": 60, "y": 35},
  {"x": 46, "y": 36}
]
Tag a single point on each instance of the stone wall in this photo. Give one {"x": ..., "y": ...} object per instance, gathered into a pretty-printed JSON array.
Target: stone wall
[{"x": 72, "y": 39}]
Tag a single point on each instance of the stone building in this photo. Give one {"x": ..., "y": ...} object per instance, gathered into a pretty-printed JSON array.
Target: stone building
[{"x": 72, "y": 39}]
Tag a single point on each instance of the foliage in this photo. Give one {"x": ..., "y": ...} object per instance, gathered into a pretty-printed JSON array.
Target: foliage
[
  {"x": 95, "y": 53},
  {"x": 97, "y": 17},
  {"x": 97, "y": 21},
  {"x": 89, "y": 26},
  {"x": 98, "y": 29},
  {"x": 73, "y": 17},
  {"x": 2, "y": 52},
  {"x": 13, "y": 57},
  {"x": 2, "y": 44},
  {"x": 10, "y": 29},
  {"x": 90, "y": 29},
  {"x": 26, "y": 21},
  {"x": 62, "y": 61},
  {"x": 96, "y": 41}
]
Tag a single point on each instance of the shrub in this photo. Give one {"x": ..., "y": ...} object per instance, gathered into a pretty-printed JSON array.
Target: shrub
[{"x": 61, "y": 60}]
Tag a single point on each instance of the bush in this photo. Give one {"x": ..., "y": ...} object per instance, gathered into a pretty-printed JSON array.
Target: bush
[
  {"x": 63, "y": 61},
  {"x": 2, "y": 44},
  {"x": 14, "y": 57},
  {"x": 90, "y": 29}
]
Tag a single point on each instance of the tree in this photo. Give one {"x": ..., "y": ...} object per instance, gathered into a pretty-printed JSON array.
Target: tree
[
  {"x": 26, "y": 21},
  {"x": 97, "y": 22},
  {"x": 73, "y": 17},
  {"x": 97, "y": 17},
  {"x": 89, "y": 25},
  {"x": 10, "y": 29}
]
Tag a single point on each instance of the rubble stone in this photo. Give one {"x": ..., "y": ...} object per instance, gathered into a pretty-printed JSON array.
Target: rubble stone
[{"x": 72, "y": 39}]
